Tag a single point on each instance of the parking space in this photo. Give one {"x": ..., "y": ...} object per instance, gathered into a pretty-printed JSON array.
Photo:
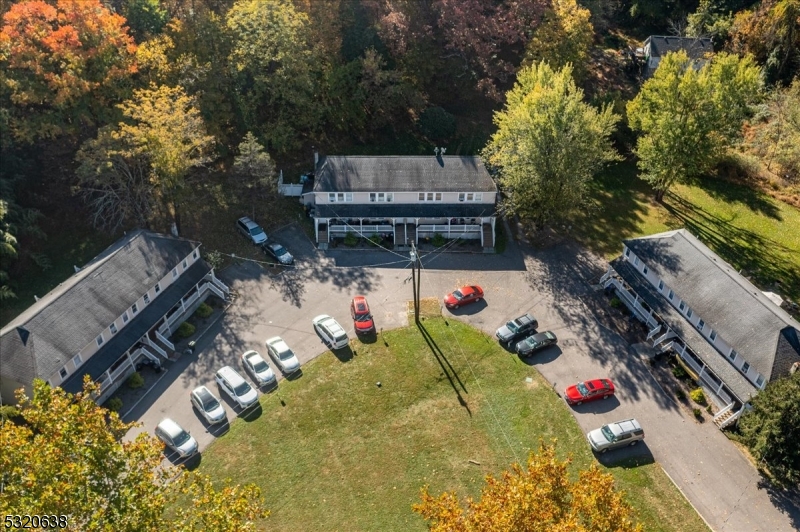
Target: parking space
[{"x": 713, "y": 474}]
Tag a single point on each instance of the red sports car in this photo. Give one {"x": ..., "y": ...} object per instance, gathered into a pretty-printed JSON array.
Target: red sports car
[
  {"x": 463, "y": 296},
  {"x": 362, "y": 319},
  {"x": 586, "y": 391}
]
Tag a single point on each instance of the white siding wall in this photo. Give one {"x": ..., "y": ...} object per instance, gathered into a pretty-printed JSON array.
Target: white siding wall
[
  {"x": 91, "y": 348},
  {"x": 405, "y": 197}
]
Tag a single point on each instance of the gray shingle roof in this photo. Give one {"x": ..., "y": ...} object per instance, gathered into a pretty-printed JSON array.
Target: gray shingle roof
[
  {"x": 730, "y": 304},
  {"x": 338, "y": 173},
  {"x": 736, "y": 382},
  {"x": 74, "y": 313},
  {"x": 695, "y": 47},
  {"x": 105, "y": 357}
]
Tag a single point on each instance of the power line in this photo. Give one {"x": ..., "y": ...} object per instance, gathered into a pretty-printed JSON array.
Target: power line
[{"x": 296, "y": 267}]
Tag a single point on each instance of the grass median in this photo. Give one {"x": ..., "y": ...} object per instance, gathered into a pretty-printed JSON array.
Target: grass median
[{"x": 333, "y": 450}]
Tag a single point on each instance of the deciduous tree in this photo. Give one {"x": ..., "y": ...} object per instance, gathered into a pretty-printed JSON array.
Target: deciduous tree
[
  {"x": 254, "y": 169},
  {"x": 777, "y": 137},
  {"x": 549, "y": 143},
  {"x": 688, "y": 117},
  {"x": 538, "y": 497},
  {"x": 64, "y": 65},
  {"x": 563, "y": 37},
  {"x": 69, "y": 458},
  {"x": 771, "y": 429}
]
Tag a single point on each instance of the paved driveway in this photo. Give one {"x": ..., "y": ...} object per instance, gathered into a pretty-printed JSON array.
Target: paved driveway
[{"x": 707, "y": 467}]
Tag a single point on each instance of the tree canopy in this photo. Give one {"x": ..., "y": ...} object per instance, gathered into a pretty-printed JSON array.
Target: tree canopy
[
  {"x": 548, "y": 144},
  {"x": 771, "y": 429},
  {"x": 563, "y": 37},
  {"x": 69, "y": 458},
  {"x": 538, "y": 497},
  {"x": 689, "y": 117},
  {"x": 64, "y": 65}
]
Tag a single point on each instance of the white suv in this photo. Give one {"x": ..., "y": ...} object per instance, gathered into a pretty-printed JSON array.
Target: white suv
[
  {"x": 251, "y": 230},
  {"x": 175, "y": 438},
  {"x": 617, "y": 434},
  {"x": 236, "y": 387},
  {"x": 331, "y": 332}
]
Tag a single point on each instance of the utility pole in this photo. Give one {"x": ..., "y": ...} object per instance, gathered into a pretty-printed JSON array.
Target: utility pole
[{"x": 415, "y": 269}]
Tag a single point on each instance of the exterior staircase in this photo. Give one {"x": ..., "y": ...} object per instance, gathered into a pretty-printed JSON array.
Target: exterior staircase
[
  {"x": 487, "y": 237},
  {"x": 411, "y": 233}
]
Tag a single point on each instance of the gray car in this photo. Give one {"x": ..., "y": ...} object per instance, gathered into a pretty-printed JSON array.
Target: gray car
[
  {"x": 516, "y": 328},
  {"x": 278, "y": 252},
  {"x": 175, "y": 438},
  {"x": 614, "y": 435},
  {"x": 208, "y": 405}
]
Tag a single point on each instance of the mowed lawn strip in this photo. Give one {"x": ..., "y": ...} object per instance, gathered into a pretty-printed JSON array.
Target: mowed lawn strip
[
  {"x": 345, "y": 454},
  {"x": 747, "y": 228}
]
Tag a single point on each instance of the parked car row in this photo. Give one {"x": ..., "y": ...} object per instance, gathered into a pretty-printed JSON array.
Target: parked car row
[
  {"x": 607, "y": 437},
  {"x": 256, "y": 235},
  {"x": 233, "y": 384}
]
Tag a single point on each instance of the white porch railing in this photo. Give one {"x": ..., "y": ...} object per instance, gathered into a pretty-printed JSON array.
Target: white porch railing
[
  {"x": 163, "y": 340},
  {"x": 664, "y": 337},
  {"x": 653, "y": 332},
  {"x": 357, "y": 228},
  {"x": 448, "y": 230},
  {"x": 215, "y": 290},
  {"x": 722, "y": 420},
  {"x": 120, "y": 371},
  {"x": 155, "y": 347},
  {"x": 632, "y": 303},
  {"x": 219, "y": 284}
]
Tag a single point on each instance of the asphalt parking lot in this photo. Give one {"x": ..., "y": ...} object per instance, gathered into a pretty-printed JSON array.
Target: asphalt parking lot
[{"x": 706, "y": 466}]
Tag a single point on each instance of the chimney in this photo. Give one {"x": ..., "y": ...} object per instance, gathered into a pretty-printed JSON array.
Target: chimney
[
  {"x": 444, "y": 150},
  {"x": 436, "y": 150},
  {"x": 316, "y": 158}
]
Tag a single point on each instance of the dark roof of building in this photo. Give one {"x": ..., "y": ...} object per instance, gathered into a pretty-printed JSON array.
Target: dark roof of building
[
  {"x": 348, "y": 173},
  {"x": 719, "y": 365},
  {"x": 404, "y": 210},
  {"x": 730, "y": 304},
  {"x": 105, "y": 357},
  {"x": 695, "y": 47},
  {"x": 74, "y": 313}
]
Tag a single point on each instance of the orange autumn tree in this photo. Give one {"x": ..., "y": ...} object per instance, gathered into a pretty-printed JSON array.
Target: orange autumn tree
[
  {"x": 64, "y": 64},
  {"x": 540, "y": 497}
]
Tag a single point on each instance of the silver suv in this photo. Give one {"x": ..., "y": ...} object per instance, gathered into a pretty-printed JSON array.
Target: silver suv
[
  {"x": 236, "y": 387},
  {"x": 251, "y": 230},
  {"x": 617, "y": 434}
]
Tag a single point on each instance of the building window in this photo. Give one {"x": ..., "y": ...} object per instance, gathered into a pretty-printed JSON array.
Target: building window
[
  {"x": 339, "y": 197},
  {"x": 99, "y": 340},
  {"x": 760, "y": 381},
  {"x": 671, "y": 293},
  {"x": 689, "y": 313},
  {"x": 682, "y": 305},
  {"x": 430, "y": 196},
  {"x": 175, "y": 273},
  {"x": 660, "y": 285},
  {"x": 77, "y": 360},
  {"x": 185, "y": 264},
  {"x": 381, "y": 197},
  {"x": 470, "y": 196},
  {"x": 732, "y": 354},
  {"x": 125, "y": 317},
  {"x": 745, "y": 367},
  {"x": 627, "y": 252},
  {"x": 700, "y": 325},
  {"x": 636, "y": 261},
  {"x": 713, "y": 335},
  {"x": 194, "y": 254},
  {"x": 135, "y": 308},
  {"x": 644, "y": 270},
  {"x": 113, "y": 328},
  {"x": 63, "y": 372},
  {"x": 158, "y": 288},
  {"x": 146, "y": 299}
]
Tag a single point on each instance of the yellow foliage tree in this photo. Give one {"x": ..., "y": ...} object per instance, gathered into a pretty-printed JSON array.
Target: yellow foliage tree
[
  {"x": 540, "y": 497},
  {"x": 563, "y": 37}
]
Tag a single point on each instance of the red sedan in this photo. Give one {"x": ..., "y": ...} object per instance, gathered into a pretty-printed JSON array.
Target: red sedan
[
  {"x": 586, "y": 391},
  {"x": 463, "y": 296}
]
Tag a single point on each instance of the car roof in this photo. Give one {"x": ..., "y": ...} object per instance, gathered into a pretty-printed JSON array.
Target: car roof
[
  {"x": 170, "y": 427},
  {"x": 360, "y": 302},
  {"x": 249, "y": 354},
  {"x": 277, "y": 340},
  {"x": 525, "y": 318},
  {"x": 626, "y": 425},
  {"x": 202, "y": 393},
  {"x": 230, "y": 374},
  {"x": 599, "y": 383},
  {"x": 275, "y": 246}
]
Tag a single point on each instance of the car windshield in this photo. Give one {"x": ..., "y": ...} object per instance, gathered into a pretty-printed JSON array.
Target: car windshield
[
  {"x": 279, "y": 251},
  {"x": 458, "y": 295},
  {"x": 607, "y": 433},
  {"x": 285, "y": 354},
  {"x": 512, "y": 326},
  {"x": 209, "y": 403},
  {"x": 181, "y": 438},
  {"x": 363, "y": 317},
  {"x": 242, "y": 389},
  {"x": 260, "y": 365},
  {"x": 255, "y": 231},
  {"x": 582, "y": 389}
]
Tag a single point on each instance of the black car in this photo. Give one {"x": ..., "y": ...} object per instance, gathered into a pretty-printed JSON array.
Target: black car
[
  {"x": 278, "y": 252},
  {"x": 534, "y": 343},
  {"x": 517, "y": 328}
]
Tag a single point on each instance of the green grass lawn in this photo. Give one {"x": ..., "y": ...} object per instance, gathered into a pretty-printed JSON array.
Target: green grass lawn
[
  {"x": 333, "y": 451},
  {"x": 747, "y": 228}
]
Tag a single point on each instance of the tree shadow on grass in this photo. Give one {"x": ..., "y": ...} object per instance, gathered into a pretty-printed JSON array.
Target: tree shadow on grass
[
  {"x": 629, "y": 457},
  {"x": 447, "y": 368},
  {"x": 759, "y": 256},
  {"x": 728, "y": 192}
]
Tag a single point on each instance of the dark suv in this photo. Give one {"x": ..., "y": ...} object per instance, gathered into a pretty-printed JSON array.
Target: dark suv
[{"x": 517, "y": 328}]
